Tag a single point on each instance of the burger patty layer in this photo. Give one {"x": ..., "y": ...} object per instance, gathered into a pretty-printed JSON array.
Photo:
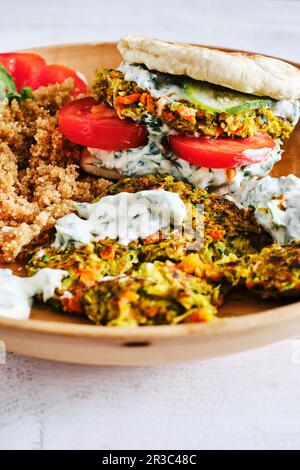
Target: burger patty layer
[{"x": 181, "y": 115}]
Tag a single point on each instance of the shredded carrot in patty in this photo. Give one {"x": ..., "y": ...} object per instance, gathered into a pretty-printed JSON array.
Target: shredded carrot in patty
[
  {"x": 87, "y": 276},
  {"x": 150, "y": 107},
  {"x": 143, "y": 98},
  {"x": 129, "y": 99},
  {"x": 189, "y": 114},
  {"x": 168, "y": 116},
  {"x": 216, "y": 234},
  {"x": 73, "y": 304}
]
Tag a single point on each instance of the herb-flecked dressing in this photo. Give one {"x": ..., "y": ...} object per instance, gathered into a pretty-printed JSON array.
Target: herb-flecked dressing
[{"x": 125, "y": 216}]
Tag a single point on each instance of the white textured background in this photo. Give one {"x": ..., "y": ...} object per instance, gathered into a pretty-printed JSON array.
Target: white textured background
[{"x": 247, "y": 401}]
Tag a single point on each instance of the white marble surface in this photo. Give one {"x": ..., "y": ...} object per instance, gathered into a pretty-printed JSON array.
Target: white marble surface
[{"x": 246, "y": 401}]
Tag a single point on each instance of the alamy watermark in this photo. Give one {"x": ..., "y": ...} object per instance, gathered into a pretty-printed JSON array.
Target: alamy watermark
[{"x": 140, "y": 216}]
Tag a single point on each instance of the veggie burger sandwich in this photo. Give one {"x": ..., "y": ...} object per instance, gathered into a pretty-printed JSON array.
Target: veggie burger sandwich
[{"x": 209, "y": 117}]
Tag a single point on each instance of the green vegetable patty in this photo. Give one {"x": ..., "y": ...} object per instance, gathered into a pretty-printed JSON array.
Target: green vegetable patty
[
  {"x": 133, "y": 102},
  {"x": 229, "y": 233}
]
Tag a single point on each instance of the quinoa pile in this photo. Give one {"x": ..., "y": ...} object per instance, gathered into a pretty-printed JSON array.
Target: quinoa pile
[{"x": 39, "y": 173}]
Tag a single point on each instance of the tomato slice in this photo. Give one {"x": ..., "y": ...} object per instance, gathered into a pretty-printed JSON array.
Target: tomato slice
[
  {"x": 59, "y": 73},
  {"x": 222, "y": 153},
  {"x": 88, "y": 123},
  {"x": 25, "y": 69}
]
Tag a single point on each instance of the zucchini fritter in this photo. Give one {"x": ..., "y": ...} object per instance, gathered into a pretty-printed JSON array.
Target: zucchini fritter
[
  {"x": 131, "y": 101},
  {"x": 156, "y": 294},
  {"x": 86, "y": 265},
  {"x": 226, "y": 230},
  {"x": 226, "y": 235},
  {"x": 272, "y": 273},
  {"x": 275, "y": 272}
]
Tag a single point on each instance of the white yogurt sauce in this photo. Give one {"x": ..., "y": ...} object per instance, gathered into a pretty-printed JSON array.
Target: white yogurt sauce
[
  {"x": 151, "y": 160},
  {"x": 133, "y": 162},
  {"x": 286, "y": 109},
  {"x": 277, "y": 205},
  {"x": 219, "y": 178},
  {"x": 153, "y": 82},
  {"x": 16, "y": 293},
  {"x": 124, "y": 217},
  {"x": 254, "y": 154}
]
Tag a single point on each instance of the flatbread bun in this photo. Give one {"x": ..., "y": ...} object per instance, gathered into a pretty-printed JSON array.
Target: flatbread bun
[
  {"x": 249, "y": 73},
  {"x": 105, "y": 173},
  {"x": 89, "y": 164}
]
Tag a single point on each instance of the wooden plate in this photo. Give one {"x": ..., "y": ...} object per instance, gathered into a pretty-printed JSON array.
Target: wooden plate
[{"x": 248, "y": 321}]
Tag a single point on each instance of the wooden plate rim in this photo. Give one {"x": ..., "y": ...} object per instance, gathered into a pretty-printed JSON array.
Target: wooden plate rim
[{"x": 225, "y": 325}]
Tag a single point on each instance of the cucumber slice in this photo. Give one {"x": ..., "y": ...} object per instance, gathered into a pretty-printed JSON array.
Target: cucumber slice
[{"x": 217, "y": 99}]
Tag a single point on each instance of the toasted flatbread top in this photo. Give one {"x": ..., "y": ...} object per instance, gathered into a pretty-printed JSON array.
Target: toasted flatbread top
[{"x": 249, "y": 73}]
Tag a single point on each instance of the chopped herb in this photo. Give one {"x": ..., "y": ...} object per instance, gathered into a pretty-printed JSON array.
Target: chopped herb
[{"x": 8, "y": 87}]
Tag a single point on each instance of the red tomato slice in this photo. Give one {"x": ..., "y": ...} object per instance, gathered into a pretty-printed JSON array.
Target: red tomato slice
[
  {"x": 222, "y": 153},
  {"x": 88, "y": 123},
  {"x": 25, "y": 68},
  {"x": 59, "y": 73}
]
